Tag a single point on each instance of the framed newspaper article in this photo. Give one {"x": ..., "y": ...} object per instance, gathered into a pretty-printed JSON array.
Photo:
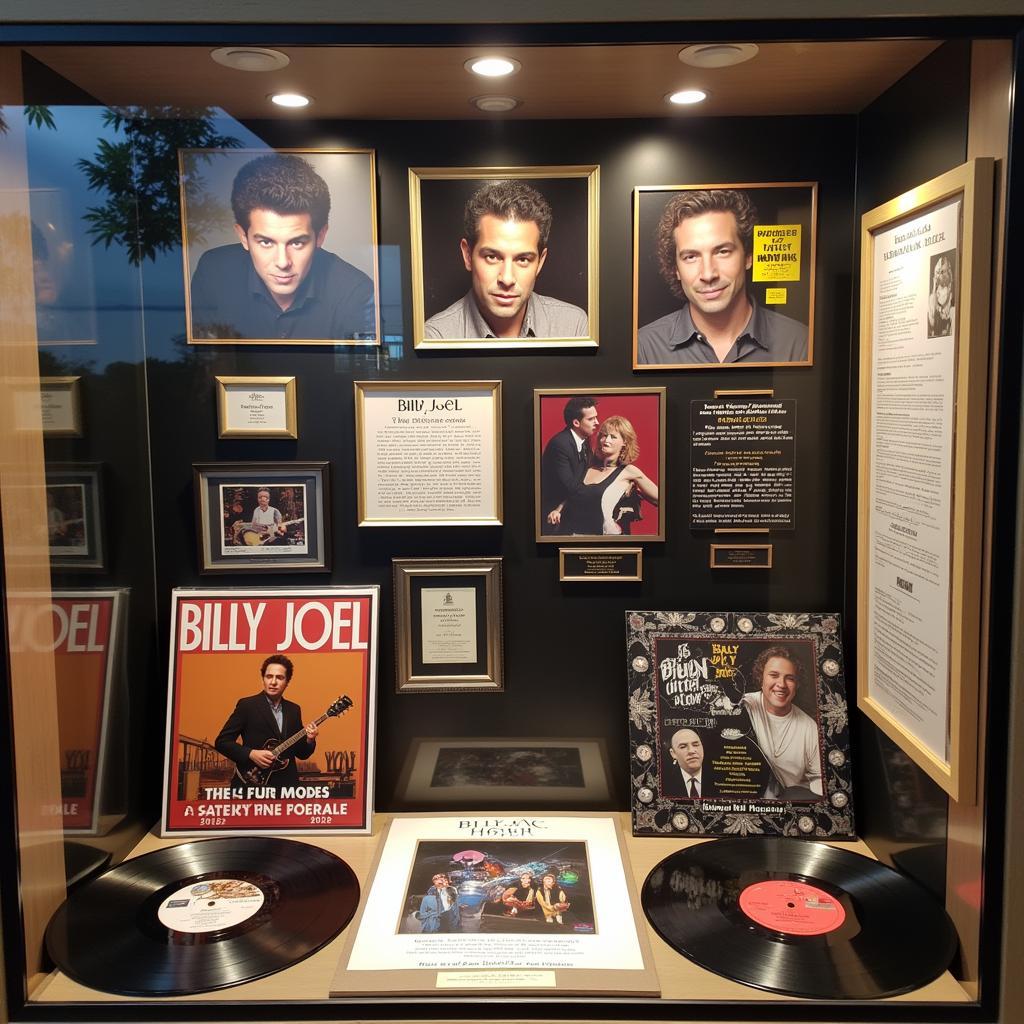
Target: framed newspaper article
[
  {"x": 270, "y": 711},
  {"x": 925, "y": 280},
  {"x": 738, "y": 724},
  {"x": 483, "y": 903}
]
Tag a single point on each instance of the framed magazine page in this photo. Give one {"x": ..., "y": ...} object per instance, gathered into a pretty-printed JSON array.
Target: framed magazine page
[
  {"x": 270, "y": 711},
  {"x": 925, "y": 282},
  {"x": 738, "y": 724}
]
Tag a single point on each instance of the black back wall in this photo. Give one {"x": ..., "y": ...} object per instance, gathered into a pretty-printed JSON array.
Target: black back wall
[{"x": 564, "y": 643}]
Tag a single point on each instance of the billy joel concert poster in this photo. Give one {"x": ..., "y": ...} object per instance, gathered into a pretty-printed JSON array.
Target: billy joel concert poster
[
  {"x": 738, "y": 724},
  {"x": 270, "y": 711}
]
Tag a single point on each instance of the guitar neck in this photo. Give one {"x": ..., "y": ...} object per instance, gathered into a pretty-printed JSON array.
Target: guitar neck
[{"x": 292, "y": 740}]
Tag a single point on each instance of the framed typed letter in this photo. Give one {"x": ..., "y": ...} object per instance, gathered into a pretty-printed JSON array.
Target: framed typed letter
[
  {"x": 723, "y": 275},
  {"x": 280, "y": 246},
  {"x": 74, "y": 523},
  {"x": 428, "y": 453},
  {"x": 504, "y": 257},
  {"x": 448, "y": 624},
  {"x": 61, "y": 406},
  {"x": 738, "y": 724},
  {"x": 599, "y": 464},
  {"x": 263, "y": 516},
  {"x": 256, "y": 407},
  {"x": 311, "y": 654},
  {"x": 925, "y": 259}
]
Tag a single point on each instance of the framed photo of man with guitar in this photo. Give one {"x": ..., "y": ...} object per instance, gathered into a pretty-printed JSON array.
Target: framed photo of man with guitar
[
  {"x": 262, "y": 517},
  {"x": 270, "y": 711}
]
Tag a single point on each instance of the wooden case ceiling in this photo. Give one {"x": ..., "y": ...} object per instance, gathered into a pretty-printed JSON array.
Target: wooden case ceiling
[{"x": 554, "y": 82}]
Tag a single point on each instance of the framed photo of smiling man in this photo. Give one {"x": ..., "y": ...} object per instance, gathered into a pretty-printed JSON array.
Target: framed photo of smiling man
[
  {"x": 504, "y": 257},
  {"x": 723, "y": 275},
  {"x": 280, "y": 246}
]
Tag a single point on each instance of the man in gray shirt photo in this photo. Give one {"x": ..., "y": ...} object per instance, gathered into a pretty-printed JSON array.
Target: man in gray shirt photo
[
  {"x": 705, "y": 250},
  {"x": 504, "y": 246}
]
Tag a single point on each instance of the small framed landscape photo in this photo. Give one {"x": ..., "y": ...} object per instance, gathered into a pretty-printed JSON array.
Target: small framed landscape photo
[
  {"x": 262, "y": 517},
  {"x": 448, "y": 624}
]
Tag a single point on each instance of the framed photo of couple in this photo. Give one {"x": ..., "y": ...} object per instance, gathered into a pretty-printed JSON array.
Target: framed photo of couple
[
  {"x": 599, "y": 464},
  {"x": 504, "y": 257}
]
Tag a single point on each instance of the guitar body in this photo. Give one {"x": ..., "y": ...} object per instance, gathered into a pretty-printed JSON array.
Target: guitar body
[{"x": 256, "y": 776}]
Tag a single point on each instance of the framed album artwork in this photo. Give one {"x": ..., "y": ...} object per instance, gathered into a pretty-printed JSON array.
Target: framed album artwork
[
  {"x": 738, "y": 724},
  {"x": 256, "y": 407},
  {"x": 263, "y": 517},
  {"x": 270, "y": 711},
  {"x": 599, "y": 464},
  {"x": 519, "y": 904},
  {"x": 428, "y": 453},
  {"x": 504, "y": 257},
  {"x": 448, "y": 624},
  {"x": 280, "y": 246},
  {"x": 723, "y": 275},
  {"x": 74, "y": 523}
]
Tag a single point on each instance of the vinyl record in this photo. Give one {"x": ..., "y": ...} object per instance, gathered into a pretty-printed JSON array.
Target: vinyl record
[
  {"x": 799, "y": 918},
  {"x": 202, "y": 916}
]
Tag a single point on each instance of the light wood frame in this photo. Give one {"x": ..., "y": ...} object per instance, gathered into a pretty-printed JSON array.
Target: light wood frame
[
  {"x": 424, "y": 389},
  {"x": 405, "y": 570},
  {"x": 591, "y": 172},
  {"x": 972, "y": 184},
  {"x": 289, "y": 430}
]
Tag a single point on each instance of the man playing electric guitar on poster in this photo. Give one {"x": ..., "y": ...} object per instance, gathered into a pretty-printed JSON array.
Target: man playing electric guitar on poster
[{"x": 263, "y": 717}]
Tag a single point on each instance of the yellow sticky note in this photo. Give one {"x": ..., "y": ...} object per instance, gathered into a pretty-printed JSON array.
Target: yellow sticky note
[
  {"x": 776, "y": 252},
  {"x": 775, "y": 296}
]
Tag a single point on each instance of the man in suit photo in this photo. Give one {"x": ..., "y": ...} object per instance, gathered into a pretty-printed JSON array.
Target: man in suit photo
[
  {"x": 566, "y": 457},
  {"x": 267, "y": 716},
  {"x": 684, "y": 775}
]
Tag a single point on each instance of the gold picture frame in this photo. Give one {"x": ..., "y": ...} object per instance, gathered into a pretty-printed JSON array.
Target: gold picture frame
[
  {"x": 780, "y": 273},
  {"x": 256, "y": 408},
  {"x": 448, "y": 625},
  {"x": 928, "y": 554},
  {"x": 415, "y": 444},
  {"x": 439, "y": 278},
  {"x": 218, "y": 266},
  {"x": 60, "y": 400}
]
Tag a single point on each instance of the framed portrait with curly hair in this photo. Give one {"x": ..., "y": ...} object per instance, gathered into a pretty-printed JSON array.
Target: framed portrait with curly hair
[{"x": 723, "y": 275}]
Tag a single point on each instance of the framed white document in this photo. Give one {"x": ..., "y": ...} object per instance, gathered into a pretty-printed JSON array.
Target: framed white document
[{"x": 256, "y": 407}]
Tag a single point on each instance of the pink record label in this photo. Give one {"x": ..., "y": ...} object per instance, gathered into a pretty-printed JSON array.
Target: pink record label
[{"x": 792, "y": 908}]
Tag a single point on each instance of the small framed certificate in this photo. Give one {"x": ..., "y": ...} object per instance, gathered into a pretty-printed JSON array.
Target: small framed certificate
[
  {"x": 61, "y": 406},
  {"x": 256, "y": 407},
  {"x": 448, "y": 624}
]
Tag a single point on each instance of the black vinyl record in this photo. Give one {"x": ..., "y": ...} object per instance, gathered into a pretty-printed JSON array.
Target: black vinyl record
[
  {"x": 202, "y": 916},
  {"x": 799, "y": 918}
]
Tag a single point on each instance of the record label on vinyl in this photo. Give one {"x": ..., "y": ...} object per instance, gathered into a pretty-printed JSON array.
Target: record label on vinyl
[
  {"x": 210, "y": 906},
  {"x": 792, "y": 909}
]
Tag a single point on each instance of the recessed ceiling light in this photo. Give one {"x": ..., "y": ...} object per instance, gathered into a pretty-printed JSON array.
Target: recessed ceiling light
[
  {"x": 290, "y": 99},
  {"x": 492, "y": 67},
  {"x": 495, "y": 104},
  {"x": 717, "y": 55},
  {"x": 685, "y": 97},
  {"x": 250, "y": 58}
]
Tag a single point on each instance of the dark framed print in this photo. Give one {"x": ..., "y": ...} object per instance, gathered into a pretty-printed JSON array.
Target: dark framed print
[
  {"x": 723, "y": 275},
  {"x": 599, "y": 464},
  {"x": 448, "y": 624},
  {"x": 263, "y": 516},
  {"x": 738, "y": 724},
  {"x": 504, "y": 257},
  {"x": 280, "y": 246},
  {"x": 74, "y": 524}
]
